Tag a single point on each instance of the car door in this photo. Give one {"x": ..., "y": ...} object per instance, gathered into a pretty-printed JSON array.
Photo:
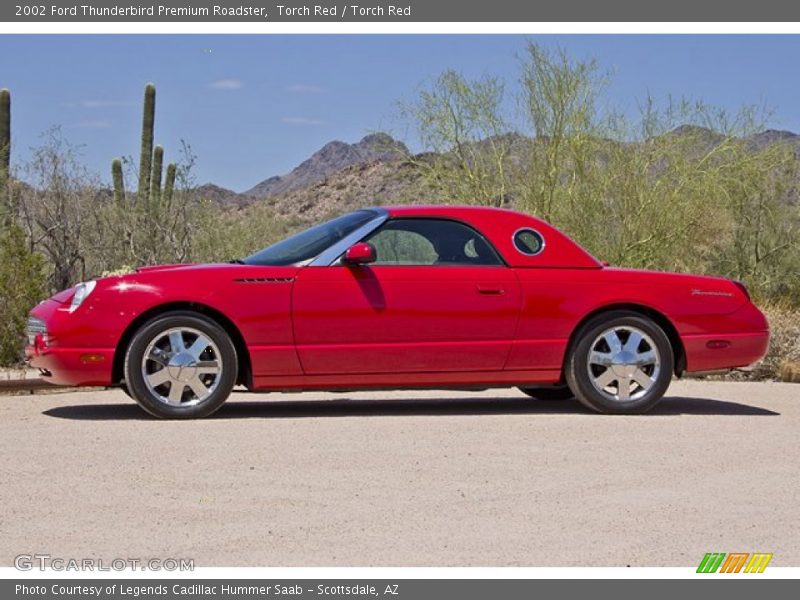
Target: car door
[{"x": 437, "y": 298}]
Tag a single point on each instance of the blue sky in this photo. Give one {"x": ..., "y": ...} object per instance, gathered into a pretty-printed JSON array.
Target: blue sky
[{"x": 252, "y": 106}]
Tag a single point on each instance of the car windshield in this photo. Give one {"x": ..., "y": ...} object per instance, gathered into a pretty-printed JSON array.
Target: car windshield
[{"x": 308, "y": 244}]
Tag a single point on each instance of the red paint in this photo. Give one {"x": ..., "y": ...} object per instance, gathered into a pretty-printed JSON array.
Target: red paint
[
  {"x": 387, "y": 319},
  {"x": 717, "y": 344},
  {"x": 371, "y": 326},
  {"x": 360, "y": 254}
]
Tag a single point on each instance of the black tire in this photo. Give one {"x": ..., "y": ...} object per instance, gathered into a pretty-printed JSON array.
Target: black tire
[
  {"x": 191, "y": 406},
  {"x": 550, "y": 393},
  {"x": 584, "y": 376}
]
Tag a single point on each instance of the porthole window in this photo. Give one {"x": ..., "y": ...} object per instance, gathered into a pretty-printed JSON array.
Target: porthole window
[{"x": 529, "y": 242}]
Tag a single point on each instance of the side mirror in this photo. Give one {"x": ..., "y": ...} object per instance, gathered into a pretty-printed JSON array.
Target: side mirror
[{"x": 361, "y": 253}]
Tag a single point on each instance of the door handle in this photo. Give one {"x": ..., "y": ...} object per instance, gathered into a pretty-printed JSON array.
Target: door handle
[{"x": 490, "y": 291}]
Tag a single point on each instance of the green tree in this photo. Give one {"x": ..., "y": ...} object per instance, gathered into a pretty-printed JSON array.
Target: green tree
[
  {"x": 21, "y": 287},
  {"x": 461, "y": 122},
  {"x": 5, "y": 153},
  {"x": 21, "y": 270},
  {"x": 680, "y": 186},
  {"x": 762, "y": 247},
  {"x": 558, "y": 99},
  {"x": 56, "y": 209}
]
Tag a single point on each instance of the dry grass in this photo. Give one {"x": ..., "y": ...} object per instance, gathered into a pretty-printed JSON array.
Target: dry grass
[
  {"x": 789, "y": 371},
  {"x": 783, "y": 359}
]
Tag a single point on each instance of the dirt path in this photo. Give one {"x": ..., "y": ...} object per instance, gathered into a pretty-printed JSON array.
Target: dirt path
[{"x": 405, "y": 478}]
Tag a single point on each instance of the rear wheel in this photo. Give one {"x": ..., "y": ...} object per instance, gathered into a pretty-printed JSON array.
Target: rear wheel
[
  {"x": 180, "y": 365},
  {"x": 621, "y": 363},
  {"x": 548, "y": 392}
]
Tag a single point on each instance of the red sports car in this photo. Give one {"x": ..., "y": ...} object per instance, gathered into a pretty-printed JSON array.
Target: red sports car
[{"x": 408, "y": 297}]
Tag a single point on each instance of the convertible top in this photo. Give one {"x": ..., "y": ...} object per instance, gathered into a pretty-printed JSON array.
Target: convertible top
[{"x": 499, "y": 225}]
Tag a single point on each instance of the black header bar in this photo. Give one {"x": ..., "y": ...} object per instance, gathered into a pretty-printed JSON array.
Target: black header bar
[{"x": 326, "y": 11}]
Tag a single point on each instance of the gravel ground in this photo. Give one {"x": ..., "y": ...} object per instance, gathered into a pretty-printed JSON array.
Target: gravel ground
[{"x": 425, "y": 478}]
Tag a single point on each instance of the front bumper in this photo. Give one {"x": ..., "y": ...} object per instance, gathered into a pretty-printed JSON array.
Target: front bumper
[
  {"x": 72, "y": 366},
  {"x": 68, "y": 347}
]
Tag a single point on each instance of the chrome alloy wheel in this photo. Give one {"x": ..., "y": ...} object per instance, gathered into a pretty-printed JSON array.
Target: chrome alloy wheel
[
  {"x": 624, "y": 363},
  {"x": 181, "y": 367}
]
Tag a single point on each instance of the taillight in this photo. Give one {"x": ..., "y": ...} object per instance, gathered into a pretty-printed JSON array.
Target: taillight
[
  {"x": 743, "y": 288},
  {"x": 36, "y": 327},
  {"x": 39, "y": 343}
]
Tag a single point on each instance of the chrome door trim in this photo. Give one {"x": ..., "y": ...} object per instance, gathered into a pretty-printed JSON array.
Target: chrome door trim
[{"x": 329, "y": 256}]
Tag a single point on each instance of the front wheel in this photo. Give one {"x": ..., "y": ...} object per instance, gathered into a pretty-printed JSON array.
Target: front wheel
[
  {"x": 621, "y": 363},
  {"x": 180, "y": 365}
]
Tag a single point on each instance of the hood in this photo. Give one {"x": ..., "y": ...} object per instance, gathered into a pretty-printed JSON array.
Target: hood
[
  {"x": 151, "y": 268},
  {"x": 216, "y": 270}
]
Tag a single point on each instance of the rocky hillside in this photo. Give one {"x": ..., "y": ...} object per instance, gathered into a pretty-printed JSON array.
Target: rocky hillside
[
  {"x": 224, "y": 196},
  {"x": 773, "y": 136},
  {"x": 341, "y": 176},
  {"x": 331, "y": 158},
  {"x": 377, "y": 182}
]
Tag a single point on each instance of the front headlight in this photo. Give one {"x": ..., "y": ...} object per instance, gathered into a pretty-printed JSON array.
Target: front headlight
[{"x": 82, "y": 291}]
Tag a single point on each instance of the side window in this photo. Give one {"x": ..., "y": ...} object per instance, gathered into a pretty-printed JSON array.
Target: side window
[
  {"x": 431, "y": 242},
  {"x": 401, "y": 247}
]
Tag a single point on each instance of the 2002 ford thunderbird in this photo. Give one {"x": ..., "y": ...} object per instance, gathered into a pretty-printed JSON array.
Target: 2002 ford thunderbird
[{"x": 439, "y": 297}]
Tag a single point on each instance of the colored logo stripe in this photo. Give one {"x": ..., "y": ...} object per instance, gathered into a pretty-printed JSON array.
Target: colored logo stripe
[
  {"x": 758, "y": 562},
  {"x": 734, "y": 563},
  {"x": 711, "y": 562}
]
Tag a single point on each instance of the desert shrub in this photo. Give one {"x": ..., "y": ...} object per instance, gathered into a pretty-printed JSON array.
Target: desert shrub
[
  {"x": 131, "y": 230},
  {"x": 680, "y": 186},
  {"x": 227, "y": 233},
  {"x": 789, "y": 372},
  {"x": 462, "y": 122},
  {"x": 55, "y": 209},
  {"x": 21, "y": 287},
  {"x": 784, "y": 344}
]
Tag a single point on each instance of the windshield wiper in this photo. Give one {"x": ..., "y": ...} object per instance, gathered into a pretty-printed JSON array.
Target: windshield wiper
[{"x": 237, "y": 261}]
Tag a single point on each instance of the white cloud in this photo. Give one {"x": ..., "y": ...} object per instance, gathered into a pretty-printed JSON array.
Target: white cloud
[
  {"x": 97, "y": 104},
  {"x": 227, "y": 84},
  {"x": 103, "y": 103},
  {"x": 301, "y": 88},
  {"x": 302, "y": 121},
  {"x": 93, "y": 124}
]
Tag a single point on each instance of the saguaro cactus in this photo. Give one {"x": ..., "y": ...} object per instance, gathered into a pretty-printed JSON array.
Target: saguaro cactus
[
  {"x": 155, "y": 176},
  {"x": 119, "y": 182},
  {"x": 148, "y": 125},
  {"x": 5, "y": 134},
  {"x": 169, "y": 184},
  {"x": 151, "y": 161},
  {"x": 6, "y": 201}
]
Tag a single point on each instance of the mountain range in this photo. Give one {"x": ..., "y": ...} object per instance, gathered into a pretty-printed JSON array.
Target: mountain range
[{"x": 340, "y": 176}]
